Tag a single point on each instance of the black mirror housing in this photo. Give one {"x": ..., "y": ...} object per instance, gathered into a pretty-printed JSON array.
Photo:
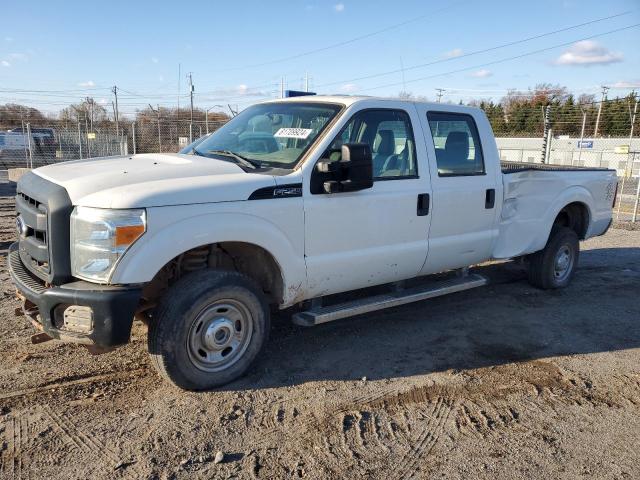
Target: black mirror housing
[{"x": 353, "y": 172}]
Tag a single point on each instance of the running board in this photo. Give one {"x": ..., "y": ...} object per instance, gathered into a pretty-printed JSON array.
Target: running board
[{"x": 317, "y": 316}]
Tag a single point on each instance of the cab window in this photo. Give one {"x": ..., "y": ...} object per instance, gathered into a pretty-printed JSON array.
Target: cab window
[
  {"x": 457, "y": 144},
  {"x": 390, "y": 136}
]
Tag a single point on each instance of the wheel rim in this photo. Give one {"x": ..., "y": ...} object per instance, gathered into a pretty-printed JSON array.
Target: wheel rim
[
  {"x": 219, "y": 335},
  {"x": 563, "y": 263}
]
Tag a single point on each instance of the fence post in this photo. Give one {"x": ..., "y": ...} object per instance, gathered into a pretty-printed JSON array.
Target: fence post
[
  {"x": 635, "y": 206},
  {"x": 133, "y": 136},
  {"x": 620, "y": 201},
  {"x": 79, "y": 138},
  {"x": 30, "y": 146}
]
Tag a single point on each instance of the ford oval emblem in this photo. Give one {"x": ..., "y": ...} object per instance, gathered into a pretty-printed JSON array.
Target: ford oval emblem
[{"x": 22, "y": 227}]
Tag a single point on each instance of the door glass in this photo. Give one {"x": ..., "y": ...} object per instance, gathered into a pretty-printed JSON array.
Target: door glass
[
  {"x": 390, "y": 136},
  {"x": 457, "y": 144}
]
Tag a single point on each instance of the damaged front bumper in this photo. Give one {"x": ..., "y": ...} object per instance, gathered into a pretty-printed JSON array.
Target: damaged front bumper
[{"x": 79, "y": 312}]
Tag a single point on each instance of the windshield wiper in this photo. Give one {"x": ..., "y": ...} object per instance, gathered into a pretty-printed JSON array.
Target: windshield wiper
[{"x": 247, "y": 162}]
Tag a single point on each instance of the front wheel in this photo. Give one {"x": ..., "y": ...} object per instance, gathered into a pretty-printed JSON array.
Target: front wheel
[
  {"x": 208, "y": 329},
  {"x": 553, "y": 266}
]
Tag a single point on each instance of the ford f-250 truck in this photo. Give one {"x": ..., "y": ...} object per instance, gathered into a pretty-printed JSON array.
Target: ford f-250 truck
[{"x": 290, "y": 202}]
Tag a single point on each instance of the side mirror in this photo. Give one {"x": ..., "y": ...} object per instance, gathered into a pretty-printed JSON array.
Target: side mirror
[{"x": 353, "y": 172}]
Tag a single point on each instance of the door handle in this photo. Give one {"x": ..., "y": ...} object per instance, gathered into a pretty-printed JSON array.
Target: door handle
[
  {"x": 423, "y": 204},
  {"x": 490, "y": 198}
]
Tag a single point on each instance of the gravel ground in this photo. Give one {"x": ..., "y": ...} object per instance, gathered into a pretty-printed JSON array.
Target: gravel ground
[{"x": 504, "y": 381}]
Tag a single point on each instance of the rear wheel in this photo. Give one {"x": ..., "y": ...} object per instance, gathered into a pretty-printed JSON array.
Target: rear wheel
[
  {"x": 208, "y": 329},
  {"x": 553, "y": 266}
]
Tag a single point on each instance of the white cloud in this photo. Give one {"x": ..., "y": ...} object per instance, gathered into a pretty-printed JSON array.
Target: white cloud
[
  {"x": 8, "y": 39},
  {"x": 88, "y": 83},
  {"x": 349, "y": 87},
  {"x": 588, "y": 52},
  {"x": 161, "y": 78},
  {"x": 154, "y": 59},
  {"x": 4, "y": 63},
  {"x": 456, "y": 52},
  {"x": 103, "y": 101},
  {"x": 339, "y": 7},
  {"x": 627, "y": 84},
  {"x": 483, "y": 73}
]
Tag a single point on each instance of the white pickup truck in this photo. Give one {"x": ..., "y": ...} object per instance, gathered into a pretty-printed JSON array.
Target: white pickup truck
[{"x": 290, "y": 202}]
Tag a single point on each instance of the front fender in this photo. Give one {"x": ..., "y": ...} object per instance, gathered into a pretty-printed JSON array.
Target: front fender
[{"x": 164, "y": 242}]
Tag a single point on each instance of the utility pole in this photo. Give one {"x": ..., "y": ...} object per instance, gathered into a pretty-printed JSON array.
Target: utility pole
[
  {"x": 545, "y": 139},
  {"x": 191, "y": 119},
  {"x": 159, "y": 136},
  {"x": 604, "y": 96},
  {"x": 440, "y": 93},
  {"x": 115, "y": 92},
  {"x": 306, "y": 81},
  {"x": 282, "y": 87}
]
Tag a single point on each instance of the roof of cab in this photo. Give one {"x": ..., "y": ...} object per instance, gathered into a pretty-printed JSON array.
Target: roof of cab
[{"x": 349, "y": 100}]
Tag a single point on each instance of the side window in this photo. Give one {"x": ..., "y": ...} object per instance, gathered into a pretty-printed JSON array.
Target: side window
[
  {"x": 457, "y": 144},
  {"x": 390, "y": 136}
]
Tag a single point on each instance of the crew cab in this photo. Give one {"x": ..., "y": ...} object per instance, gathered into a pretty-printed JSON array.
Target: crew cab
[{"x": 288, "y": 204}]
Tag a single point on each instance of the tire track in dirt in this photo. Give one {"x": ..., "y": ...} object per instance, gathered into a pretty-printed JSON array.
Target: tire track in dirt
[
  {"x": 426, "y": 440},
  {"x": 92, "y": 447},
  {"x": 56, "y": 384}
]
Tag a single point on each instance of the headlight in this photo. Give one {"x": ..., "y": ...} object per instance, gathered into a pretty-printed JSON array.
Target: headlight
[{"x": 99, "y": 237}]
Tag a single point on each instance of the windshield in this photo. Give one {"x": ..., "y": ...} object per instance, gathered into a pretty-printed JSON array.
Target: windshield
[{"x": 270, "y": 134}]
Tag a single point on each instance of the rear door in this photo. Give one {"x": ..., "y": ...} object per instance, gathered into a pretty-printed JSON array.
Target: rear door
[
  {"x": 465, "y": 189},
  {"x": 377, "y": 235}
]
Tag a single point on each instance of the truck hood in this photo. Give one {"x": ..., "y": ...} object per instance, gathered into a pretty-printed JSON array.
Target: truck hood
[{"x": 152, "y": 180}]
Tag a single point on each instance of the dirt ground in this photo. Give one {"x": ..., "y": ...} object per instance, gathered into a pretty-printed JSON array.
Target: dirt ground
[{"x": 504, "y": 381}]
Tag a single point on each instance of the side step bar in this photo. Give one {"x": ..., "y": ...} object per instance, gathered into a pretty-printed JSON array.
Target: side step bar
[{"x": 316, "y": 316}]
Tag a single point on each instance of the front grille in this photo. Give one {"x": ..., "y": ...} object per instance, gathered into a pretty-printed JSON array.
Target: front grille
[
  {"x": 34, "y": 249},
  {"x": 44, "y": 209}
]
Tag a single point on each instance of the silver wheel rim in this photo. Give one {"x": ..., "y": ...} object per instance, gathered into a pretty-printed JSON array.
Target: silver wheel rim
[
  {"x": 563, "y": 263},
  {"x": 219, "y": 335}
]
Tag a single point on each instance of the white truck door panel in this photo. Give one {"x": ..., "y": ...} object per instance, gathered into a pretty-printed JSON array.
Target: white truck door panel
[
  {"x": 466, "y": 191},
  {"x": 373, "y": 236}
]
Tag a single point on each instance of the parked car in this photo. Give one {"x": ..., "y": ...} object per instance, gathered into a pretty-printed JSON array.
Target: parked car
[{"x": 290, "y": 202}]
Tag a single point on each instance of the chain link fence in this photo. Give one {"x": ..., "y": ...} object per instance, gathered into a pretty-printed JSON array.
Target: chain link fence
[{"x": 32, "y": 147}]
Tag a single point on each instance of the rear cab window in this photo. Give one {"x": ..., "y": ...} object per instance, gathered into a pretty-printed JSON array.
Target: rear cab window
[{"x": 456, "y": 143}]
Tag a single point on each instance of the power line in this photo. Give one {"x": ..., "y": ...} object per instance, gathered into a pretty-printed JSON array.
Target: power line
[
  {"x": 476, "y": 52},
  {"x": 346, "y": 42},
  {"x": 515, "y": 57}
]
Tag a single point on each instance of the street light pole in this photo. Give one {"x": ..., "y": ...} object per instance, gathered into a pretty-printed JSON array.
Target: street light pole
[
  {"x": 206, "y": 115},
  {"x": 159, "y": 136}
]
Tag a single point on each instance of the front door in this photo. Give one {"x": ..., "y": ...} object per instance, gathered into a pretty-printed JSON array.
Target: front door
[{"x": 378, "y": 235}]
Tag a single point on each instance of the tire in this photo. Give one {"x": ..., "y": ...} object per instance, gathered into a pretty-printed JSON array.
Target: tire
[
  {"x": 554, "y": 266},
  {"x": 202, "y": 316}
]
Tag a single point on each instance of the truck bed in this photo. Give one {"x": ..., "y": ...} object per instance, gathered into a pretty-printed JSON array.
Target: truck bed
[{"x": 515, "y": 167}]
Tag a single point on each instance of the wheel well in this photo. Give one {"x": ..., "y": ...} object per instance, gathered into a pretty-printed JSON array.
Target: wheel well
[
  {"x": 574, "y": 216},
  {"x": 246, "y": 258}
]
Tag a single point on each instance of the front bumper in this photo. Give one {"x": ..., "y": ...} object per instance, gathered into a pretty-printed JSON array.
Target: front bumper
[{"x": 113, "y": 307}]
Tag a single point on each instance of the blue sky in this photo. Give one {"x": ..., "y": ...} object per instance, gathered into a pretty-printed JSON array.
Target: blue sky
[{"x": 57, "y": 53}]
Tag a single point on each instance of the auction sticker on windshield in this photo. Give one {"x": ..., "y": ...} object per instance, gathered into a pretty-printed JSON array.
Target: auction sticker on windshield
[{"x": 293, "y": 132}]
